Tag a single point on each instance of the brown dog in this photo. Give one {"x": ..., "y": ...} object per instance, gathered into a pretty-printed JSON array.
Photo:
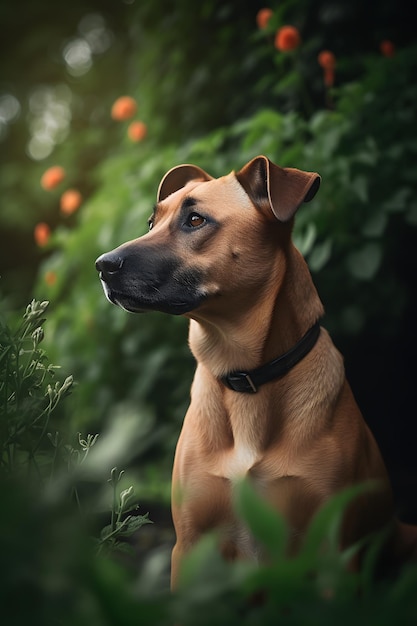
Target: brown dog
[{"x": 269, "y": 399}]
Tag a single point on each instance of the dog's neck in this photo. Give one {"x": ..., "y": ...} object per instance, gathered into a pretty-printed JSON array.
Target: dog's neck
[{"x": 261, "y": 328}]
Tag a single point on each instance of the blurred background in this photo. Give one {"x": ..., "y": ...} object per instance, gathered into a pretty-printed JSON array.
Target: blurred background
[{"x": 99, "y": 98}]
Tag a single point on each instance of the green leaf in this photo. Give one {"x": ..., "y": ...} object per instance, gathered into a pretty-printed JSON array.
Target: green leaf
[
  {"x": 324, "y": 529},
  {"x": 134, "y": 523},
  {"x": 105, "y": 532},
  {"x": 411, "y": 216},
  {"x": 370, "y": 560},
  {"x": 264, "y": 523},
  {"x": 398, "y": 202},
  {"x": 319, "y": 255},
  {"x": 405, "y": 587},
  {"x": 360, "y": 188},
  {"x": 364, "y": 263},
  {"x": 203, "y": 568},
  {"x": 304, "y": 241},
  {"x": 376, "y": 225}
]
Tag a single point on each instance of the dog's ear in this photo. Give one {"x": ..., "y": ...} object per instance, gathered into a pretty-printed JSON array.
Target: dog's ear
[
  {"x": 178, "y": 177},
  {"x": 280, "y": 189}
]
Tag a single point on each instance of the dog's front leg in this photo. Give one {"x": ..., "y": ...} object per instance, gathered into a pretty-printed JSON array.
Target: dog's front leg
[
  {"x": 176, "y": 559},
  {"x": 199, "y": 506}
]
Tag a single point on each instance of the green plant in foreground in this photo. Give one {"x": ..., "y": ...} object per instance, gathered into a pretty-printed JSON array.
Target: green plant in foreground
[
  {"x": 121, "y": 526},
  {"x": 29, "y": 393},
  {"x": 31, "y": 449},
  {"x": 314, "y": 586},
  {"x": 45, "y": 558}
]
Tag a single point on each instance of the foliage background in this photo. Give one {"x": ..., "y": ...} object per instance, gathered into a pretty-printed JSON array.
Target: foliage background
[{"x": 211, "y": 89}]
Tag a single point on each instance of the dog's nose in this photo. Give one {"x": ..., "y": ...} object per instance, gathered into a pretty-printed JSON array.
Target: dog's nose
[{"x": 109, "y": 263}]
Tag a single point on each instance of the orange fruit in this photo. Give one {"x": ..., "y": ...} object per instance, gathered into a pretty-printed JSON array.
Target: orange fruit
[
  {"x": 42, "y": 233},
  {"x": 52, "y": 177},
  {"x": 327, "y": 60},
  {"x": 124, "y": 108},
  {"x": 287, "y": 38},
  {"x": 137, "y": 131},
  {"x": 262, "y": 17},
  {"x": 70, "y": 201}
]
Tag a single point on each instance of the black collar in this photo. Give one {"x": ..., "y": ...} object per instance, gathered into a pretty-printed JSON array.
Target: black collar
[{"x": 248, "y": 382}]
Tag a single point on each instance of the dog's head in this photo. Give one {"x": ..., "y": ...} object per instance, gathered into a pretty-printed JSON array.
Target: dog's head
[{"x": 208, "y": 238}]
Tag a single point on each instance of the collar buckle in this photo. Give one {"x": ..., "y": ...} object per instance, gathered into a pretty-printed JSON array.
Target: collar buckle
[{"x": 240, "y": 382}]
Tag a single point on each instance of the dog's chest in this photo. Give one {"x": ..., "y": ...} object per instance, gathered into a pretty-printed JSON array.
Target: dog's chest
[
  {"x": 243, "y": 447},
  {"x": 238, "y": 461}
]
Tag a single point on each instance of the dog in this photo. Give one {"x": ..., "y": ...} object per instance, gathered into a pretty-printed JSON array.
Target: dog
[{"x": 270, "y": 399}]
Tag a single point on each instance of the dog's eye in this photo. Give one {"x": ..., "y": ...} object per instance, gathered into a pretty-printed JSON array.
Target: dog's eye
[
  {"x": 150, "y": 224},
  {"x": 194, "y": 220}
]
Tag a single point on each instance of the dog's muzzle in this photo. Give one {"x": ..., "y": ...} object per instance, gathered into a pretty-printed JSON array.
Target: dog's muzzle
[{"x": 145, "y": 281}]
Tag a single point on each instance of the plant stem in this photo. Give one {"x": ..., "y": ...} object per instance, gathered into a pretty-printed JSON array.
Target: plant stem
[
  {"x": 114, "y": 506},
  {"x": 77, "y": 498}
]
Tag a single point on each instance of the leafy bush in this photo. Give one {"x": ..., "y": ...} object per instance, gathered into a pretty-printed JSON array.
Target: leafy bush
[
  {"x": 346, "y": 234},
  {"x": 32, "y": 449},
  {"x": 27, "y": 396}
]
